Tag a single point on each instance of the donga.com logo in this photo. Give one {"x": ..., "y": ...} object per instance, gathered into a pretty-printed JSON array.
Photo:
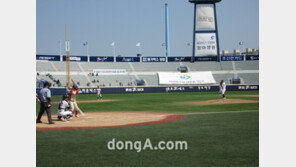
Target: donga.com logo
[{"x": 185, "y": 76}]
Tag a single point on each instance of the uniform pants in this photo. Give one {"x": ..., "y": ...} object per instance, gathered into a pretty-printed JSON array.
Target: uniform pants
[
  {"x": 43, "y": 108},
  {"x": 223, "y": 92},
  {"x": 64, "y": 113},
  {"x": 75, "y": 107},
  {"x": 99, "y": 96}
]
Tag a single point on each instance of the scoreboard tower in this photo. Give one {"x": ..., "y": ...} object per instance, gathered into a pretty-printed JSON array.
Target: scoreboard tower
[{"x": 205, "y": 29}]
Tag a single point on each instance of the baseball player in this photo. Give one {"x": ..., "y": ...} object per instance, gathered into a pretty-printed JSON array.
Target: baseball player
[
  {"x": 64, "y": 115},
  {"x": 99, "y": 94},
  {"x": 222, "y": 87},
  {"x": 73, "y": 92},
  {"x": 45, "y": 105}
]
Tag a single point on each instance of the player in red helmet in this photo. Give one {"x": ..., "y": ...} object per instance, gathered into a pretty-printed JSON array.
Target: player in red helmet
[{"x": 72, "y": 94}]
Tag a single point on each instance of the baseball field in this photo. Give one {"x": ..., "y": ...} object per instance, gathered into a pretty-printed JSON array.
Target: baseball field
[{"x": 218, "y": 132}]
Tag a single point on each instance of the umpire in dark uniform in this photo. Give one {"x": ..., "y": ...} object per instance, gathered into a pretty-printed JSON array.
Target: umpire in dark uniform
[{"x": 45, "y": 105}]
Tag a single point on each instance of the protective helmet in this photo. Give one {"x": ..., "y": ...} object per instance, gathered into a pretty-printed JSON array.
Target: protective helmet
[
  {"x": 75, "y": 87},
  {"x": 46, "y": 83},
  {"x": 65, "y": 97}
]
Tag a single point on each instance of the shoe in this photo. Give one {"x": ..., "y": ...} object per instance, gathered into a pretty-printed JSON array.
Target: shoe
[
  {"x": 38, "y": 121},
  {"x": 77, "y": 116},
  {"x": 59, "y": 118},
  {"x": 51, "y": 123},
  {"x": 64, "y": 120}
]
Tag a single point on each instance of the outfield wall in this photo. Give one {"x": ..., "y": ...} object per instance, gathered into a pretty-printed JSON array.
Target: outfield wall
[
  {"x": 162, "y": 89},
  {"x": 146, "y": 59}
]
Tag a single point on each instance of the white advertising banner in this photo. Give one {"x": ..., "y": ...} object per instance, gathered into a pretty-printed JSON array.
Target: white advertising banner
[
  {"x": 205, "y": 18},
  {"x": 205, "y": 44},
  {"x": 193, "y": 78},
  {"x": 109, "y": 71}
]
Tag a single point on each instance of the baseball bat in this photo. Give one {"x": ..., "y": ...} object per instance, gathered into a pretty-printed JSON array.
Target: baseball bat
[{"x": 73, "y": 82}]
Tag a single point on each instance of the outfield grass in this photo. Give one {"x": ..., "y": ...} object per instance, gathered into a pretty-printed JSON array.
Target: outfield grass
[
  {"x": 160, "y": 102},
  {"x": 214, "y": 139}
]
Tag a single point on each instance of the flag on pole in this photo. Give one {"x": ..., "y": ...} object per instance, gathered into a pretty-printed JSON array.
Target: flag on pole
[
  {"x": 85, "y": 43},
  {"x": 67, "y": 46},
  {"x": 113, "y": 44},
  {"x": 138, "y": 44}
]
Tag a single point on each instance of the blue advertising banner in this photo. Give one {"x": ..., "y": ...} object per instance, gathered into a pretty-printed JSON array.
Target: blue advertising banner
[
  {"x": 232, "y": 58},
  {"x": 205, "y": 88},
  {"x": 48, "y": 57},
  {"x": 252, "y": 57},
  {"x": 101, "y": 59},
  {"x": 153, "y": 59},
  {"x": 76, "y": 58},
  {"x": 206, "y": 58},
  {"x": 178, "y": 59},
  {"x": 127, "y": 59}
]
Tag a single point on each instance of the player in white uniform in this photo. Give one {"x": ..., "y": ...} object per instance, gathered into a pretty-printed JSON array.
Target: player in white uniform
[
  {"x": 222, "y": 87},
  {"x": 99, "y": 93},
  {"x": 63, "y": 114}
]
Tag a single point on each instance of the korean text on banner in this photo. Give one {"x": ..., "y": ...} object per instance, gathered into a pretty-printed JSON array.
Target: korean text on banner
[
  {"x": 193, "y": 78},
  {"x": 205, "y": 18},
  {"x": 205, "y": 44}
]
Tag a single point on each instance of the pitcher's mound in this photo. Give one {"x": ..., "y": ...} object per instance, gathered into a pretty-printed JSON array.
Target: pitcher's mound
[
  {"x": 108, "y": 119},
  {"x": 222, "y": 101}
]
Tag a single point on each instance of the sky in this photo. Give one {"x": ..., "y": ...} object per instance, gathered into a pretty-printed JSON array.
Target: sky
[{"x": 127, "y": 22}]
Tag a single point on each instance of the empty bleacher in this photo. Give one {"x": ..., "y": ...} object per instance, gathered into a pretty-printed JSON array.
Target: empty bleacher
[
  {"x": 251, "y": 78},
  {"x": 146, "y": 71}
]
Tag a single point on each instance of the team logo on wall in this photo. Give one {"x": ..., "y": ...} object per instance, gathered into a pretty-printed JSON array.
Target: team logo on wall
[{"x": 185, "y": 76}]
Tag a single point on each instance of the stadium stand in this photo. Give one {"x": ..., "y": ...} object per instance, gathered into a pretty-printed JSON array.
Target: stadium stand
[
  {"x": 252, "y": 78},
  {"x": 89, "y": 66},
  {"x": 44, "y": 66},
  {"x": 248, "y": 71},
  {"x": 159, "y": 67},
  {"x": 225, "y": 77},
  {"x": 247, "y": 65}
]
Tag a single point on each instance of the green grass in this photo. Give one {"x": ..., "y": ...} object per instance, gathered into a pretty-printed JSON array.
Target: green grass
[
  {"x": 214, "y": 139},
  {"x": 160, "y": 102}
]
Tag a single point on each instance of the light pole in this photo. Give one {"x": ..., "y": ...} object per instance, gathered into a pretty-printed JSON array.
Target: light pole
[
  {"x": 60, "y": 44},
  {"x": 241, "y": 43},
  {"x": 167, "y": 31},
  {"x": 113, "y": 45},
  {"x": 139, "y": 47},
  {"x": 86, "y": 45}
]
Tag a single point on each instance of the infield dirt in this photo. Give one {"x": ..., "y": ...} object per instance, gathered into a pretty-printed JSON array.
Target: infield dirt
[{"x": 108, "y": 119}]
